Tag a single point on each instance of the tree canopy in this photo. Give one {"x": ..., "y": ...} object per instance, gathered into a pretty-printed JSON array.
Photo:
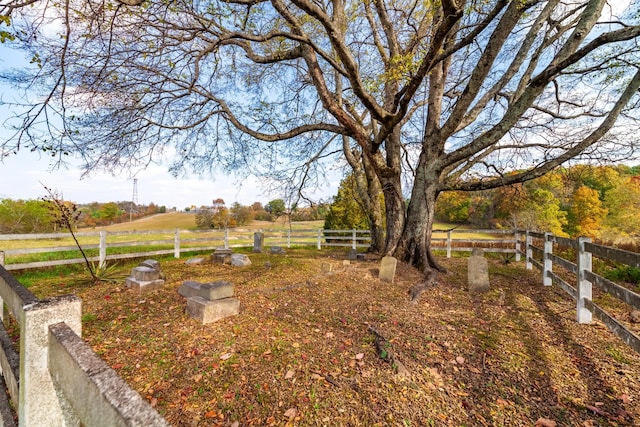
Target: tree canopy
[{"x": 423, "y": 96}]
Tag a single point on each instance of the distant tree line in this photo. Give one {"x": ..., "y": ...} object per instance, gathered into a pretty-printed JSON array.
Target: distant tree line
[
  {"x": 581, "y": 200},
  {"x": 35, "y": 216},
  {"x": 219, "y": 216}
]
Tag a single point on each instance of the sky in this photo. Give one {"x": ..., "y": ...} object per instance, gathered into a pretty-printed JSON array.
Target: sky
[{"x": 22, "y": 176}]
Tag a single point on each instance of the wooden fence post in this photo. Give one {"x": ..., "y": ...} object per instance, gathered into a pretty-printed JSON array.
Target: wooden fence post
[
  {"x": 528, "y": 251},
  {"x": 584, "y": 263},
  {"x": 103, "y": 248},
  {"x": 546, "y": 259},
  {"x": 449, "y": 244},
  {"x": 176, "y": 244},
  {"x": 518, "y": 249},
  {"x": 319, "y": 239}
]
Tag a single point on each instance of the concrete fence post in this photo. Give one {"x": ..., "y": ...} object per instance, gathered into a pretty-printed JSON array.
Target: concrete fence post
[
  {"x": 546, "y": 259},
  {"x": 2, "y": 259},
  {"x": 103, "y": 248},
  {"x": 288, "y": 238},
  {"x": 518, "y": 248},
  {"x": 319, "y": 239},
  {"x": 38, "y": 402},
  {"x": 176, "y": 243},
  {"x": 584, "y": 264},
  {"x": 449, "y": 244},
  {"x": 353, "y": 239},
  {"x": 226, "y": 238},
  {"x": 528, "y": 241}
]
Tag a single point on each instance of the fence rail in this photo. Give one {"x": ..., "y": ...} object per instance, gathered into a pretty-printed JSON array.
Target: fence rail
[{"x": 542, "y": 245}]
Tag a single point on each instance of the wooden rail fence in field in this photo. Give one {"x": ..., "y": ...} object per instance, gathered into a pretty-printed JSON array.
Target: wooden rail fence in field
[{"x": 539, "y": 253}]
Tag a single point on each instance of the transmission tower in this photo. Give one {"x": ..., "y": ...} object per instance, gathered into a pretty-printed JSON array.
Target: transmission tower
[{"x": 134, "y": 199}]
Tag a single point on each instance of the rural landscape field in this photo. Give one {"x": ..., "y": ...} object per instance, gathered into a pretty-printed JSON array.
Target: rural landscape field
[{"x": 315, "y": 345}]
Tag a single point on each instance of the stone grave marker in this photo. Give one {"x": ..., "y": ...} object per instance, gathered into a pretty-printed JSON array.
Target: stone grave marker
[
  {"x": 145, "y": 277},
  {"x": 258, "y": 242},
  {"x": 326, "y": 267},
  {"x": 353, "y": 255},
  {"x": 277, "y": 250},
  {"x": 478, "y": 272},
  {"x": 221, "y": 256},
  {"x": 194, "y": 261},
  {"x": 210, "y": 302},
  {"x": 240, "y": 260},
  {"x": 388, "y": 268}
]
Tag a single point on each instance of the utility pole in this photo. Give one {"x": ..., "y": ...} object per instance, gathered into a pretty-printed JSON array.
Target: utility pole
[{"x": 134, "y": 199}]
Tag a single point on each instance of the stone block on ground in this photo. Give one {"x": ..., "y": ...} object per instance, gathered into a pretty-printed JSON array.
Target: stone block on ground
[
  {"x": 277, "y": 250},
  {"x": 210, "y": 291},
  {"x": 362, "y": 257},
  {"x": 477, "y": 272},
  {"x": 194, "y": 261},
  {"x": 142, "y": 273},
  {"x": 353, "y": 254},
  {"x": 211, "y": 311},
  {"x": 221, "y": 256},
  {"x": 240, "y": 260},
  {"x": 388, "y": 268},
  {"x": 143, "y": 286}
]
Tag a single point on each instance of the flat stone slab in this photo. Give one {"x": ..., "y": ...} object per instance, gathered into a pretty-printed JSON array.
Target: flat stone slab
[
  {"x": 240, "y": 260},
  {"x": 195, "y": 261},
  {"x": 151, "y": 263},
  {"x": 206, "y": 311},
  {"x": 209, "y": 291},
  {"x": 388, "y": 268},
  {"x": 143, "y": 286},
  {"x": 142, "y": 273}
]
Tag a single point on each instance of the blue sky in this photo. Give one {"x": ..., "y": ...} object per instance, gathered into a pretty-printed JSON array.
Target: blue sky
[{"x": 22, "y": 175}]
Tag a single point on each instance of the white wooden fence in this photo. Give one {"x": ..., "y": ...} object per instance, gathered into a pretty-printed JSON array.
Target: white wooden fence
[
  {"x": 180, "y": 242},
  {"x": 539, "y": 253}
]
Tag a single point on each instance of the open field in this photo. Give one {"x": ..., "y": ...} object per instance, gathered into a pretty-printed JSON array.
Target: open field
[{"x": 301, "y": 352}]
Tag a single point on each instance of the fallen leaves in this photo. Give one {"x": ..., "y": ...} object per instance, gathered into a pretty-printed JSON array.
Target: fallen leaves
[{"x": 304, "y": 356}]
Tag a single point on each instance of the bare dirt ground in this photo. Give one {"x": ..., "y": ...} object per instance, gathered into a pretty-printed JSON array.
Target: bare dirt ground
[{"x": 302, "y": 351}]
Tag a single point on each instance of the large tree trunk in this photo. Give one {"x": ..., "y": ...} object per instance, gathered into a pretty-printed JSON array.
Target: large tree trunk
[
  {"x": 376, "y": 217},
  {"x": 414, "y": 243}
]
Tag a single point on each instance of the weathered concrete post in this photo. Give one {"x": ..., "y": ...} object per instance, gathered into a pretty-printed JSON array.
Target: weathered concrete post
[
  {"x": 546, "y": 259},
  {"x": 518, "y": 248},
  {"x": 529, "y": 252},
  {"x": 353, "y": 239},
  {"x": 319, "y": 239},
  {"x": 288, "y": 238},
  {"x": 103, "y": 248},
  {"x": 449, "y": 244},
  {"x": 2, "y": 258},
  {"x": 584, "y": 264},
  {"x": 176, "y": 244},
  {"x": 226, "y": 238},
  {"x": 39, "y": 404}
]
